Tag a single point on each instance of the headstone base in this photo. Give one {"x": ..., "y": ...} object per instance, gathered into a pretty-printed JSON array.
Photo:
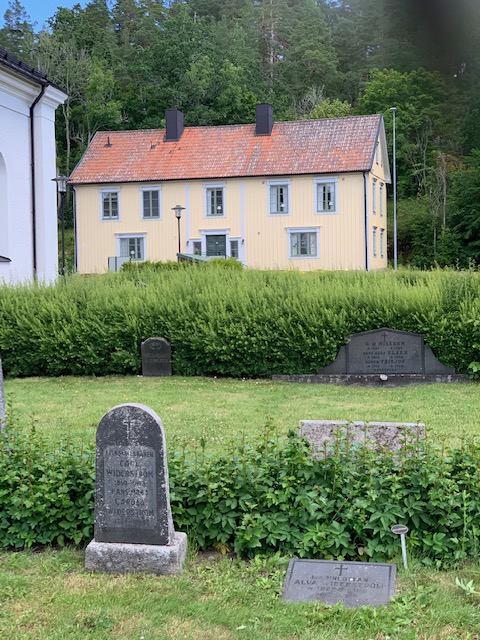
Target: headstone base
[
  {"x": 373, "y": 380},
  {"x": 117, "y": 557}
]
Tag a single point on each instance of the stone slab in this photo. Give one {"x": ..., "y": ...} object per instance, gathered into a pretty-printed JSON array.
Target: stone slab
[
  {"x": 374, "y": 380},
  {"x": 111, "y": 557},
  {"x": 132, "y": 500},
  {"x": 355, "y": 584},
  {"x": 156, "y": 357},
  {"x": 392, "y": 436}
]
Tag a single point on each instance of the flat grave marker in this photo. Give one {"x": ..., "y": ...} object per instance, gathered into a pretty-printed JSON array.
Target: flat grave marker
[{"x": 355, "y": 584}]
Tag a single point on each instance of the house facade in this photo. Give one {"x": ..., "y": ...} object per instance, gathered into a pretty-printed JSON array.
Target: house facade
[
  {"x": 307, "y": 195},
  {"x": 28, "y": 201}
]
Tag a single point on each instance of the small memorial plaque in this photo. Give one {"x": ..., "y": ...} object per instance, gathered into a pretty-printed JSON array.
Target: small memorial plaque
[
  {"x": 156, "y": 357},
  {"x": 132, "y": 503},
  {"x": 355, "y": 584}
]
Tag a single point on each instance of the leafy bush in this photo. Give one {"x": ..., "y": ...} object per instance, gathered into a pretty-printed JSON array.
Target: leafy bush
[
  {"x": 46, "y": 493},
  {"x": 225, "y": 322},
  {"x": 263, "y": 499}
]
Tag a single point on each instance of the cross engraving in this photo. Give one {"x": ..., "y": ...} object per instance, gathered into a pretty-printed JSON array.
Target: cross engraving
[
  {"x": 385, "y": 335},
  {"x": 340, "y": 568},
  {"x": 131, "y": 425}
]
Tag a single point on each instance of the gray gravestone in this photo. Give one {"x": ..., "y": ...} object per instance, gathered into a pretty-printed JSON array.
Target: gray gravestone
[
  {"x": 133, "y": 521},
  {"x": 355, "y": 584},
  {"x": 386, "y": 351},
  {"x": 3, "y": 413},
  {"x": 156, "y": 357},
  {"x": 323, "y": 434}
]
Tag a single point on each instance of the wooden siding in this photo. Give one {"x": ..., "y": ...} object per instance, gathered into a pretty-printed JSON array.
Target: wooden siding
[{"x": 263, "y": 237}]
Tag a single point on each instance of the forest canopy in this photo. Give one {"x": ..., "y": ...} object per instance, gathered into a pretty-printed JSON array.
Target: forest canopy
[{"x": 124, "y": 62}]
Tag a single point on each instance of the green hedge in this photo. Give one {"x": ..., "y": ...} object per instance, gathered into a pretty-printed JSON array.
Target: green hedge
[
  {"x": 263, "y": 499},
  {"x": 227, "y": 322}
]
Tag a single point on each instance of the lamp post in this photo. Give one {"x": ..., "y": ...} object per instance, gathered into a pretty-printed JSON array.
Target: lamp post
[
  {"x": 61, "y": 181},
  {"x": 394, "y": 110},
  {"x": 178, "y": 212}
]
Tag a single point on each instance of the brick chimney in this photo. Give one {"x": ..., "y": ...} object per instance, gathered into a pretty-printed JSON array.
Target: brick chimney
[
  {"x": 174, "y": 125},
  {"x": 264, "y": 119}
]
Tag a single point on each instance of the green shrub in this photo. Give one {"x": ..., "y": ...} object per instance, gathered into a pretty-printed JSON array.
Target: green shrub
[
  {"x": 46, "y": 494},
  {"x": 225, "y": 322},
  {"x": 263, "y": 499}
]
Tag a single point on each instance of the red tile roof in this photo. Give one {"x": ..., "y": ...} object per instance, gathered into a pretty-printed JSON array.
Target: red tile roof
[{"x": 331, "y": 145}]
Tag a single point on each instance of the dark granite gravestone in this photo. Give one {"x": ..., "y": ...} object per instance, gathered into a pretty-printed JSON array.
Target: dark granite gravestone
[
  {"x": 386, "y": 351},
  {"x": 156, "y": 357},
  {"x": 355, "y": 584},
  {"x": 133, "y": 521},
  {"x": 3, "y": 413}
]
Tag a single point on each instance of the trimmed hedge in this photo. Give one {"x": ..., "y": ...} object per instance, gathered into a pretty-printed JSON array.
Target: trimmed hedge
[
  {"x": 264, "y": 499},
  {"x": 227, "y": 322}
]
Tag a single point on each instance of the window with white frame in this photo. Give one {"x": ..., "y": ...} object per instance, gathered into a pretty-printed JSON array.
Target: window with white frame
[
  {"x": 374, "y": 195},
  {"x": 197, "y": 247},
  {"x": 150, "y": 203},
  {"x": 110, "y": 208},
  {"x": 214, "y": 197},
  {"x": 325, "y": 196},
  {"x": 132, "y": 247},
  {"x": 374, "y": 242},
  {"x": 382, "y": 243},
  {"x": 279, "y": 198},
  {"x": 234, "y": 249},
  {"x": 303, "y": 243},
  {"x": 382, "y": 187}
]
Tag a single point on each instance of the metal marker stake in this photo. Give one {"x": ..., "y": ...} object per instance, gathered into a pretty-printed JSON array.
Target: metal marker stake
[{"x": 401, "y": 530}]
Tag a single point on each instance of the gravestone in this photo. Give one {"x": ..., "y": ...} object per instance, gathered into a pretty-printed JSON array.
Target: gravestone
[
  {"x": 387, "y": 351},
  {"x": 382, "y": 357},
  {"x": 323, "y": 434},
  {"x": 156, "y": 357},
  {"x": 133, "y": 521},
  {"x": 3, "y": 412},
  {"x": 355, "y": 584}
]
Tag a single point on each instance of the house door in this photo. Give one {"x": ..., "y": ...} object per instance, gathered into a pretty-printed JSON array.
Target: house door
[{"x": 216, "y": 245}]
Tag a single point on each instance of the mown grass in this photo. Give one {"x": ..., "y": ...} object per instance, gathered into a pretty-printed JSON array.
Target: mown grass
[
  {"x": 49, "y": 596},
  {"x": 222, "y": 410}
]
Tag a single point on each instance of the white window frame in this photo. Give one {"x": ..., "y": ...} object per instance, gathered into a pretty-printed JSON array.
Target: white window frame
[
  {"x": 196, "y": 241},
  {"x": 278, "y": 183},
  {"x": 323, "y": 181},
  {"x": 296, "y": 230},
  {"x": 147, "y": 188},
  {"x": 380, "y": 195},
  {"x": 382, "y": 243},
  {"x": 374, "y": 196},
  {"x": 239, "y": 247},
  {"x": 207, "y": 187},
  {"x": 374, "y": 241},
  {"x": 128, "y": 236},
  {"x": 103, "y": 192}
]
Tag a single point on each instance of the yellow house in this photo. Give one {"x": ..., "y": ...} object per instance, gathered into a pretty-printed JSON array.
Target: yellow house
[{"x": 306, "y": 195}]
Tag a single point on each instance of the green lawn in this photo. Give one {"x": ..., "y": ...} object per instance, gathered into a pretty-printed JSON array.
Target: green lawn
[{"x": 224, "y": 409}]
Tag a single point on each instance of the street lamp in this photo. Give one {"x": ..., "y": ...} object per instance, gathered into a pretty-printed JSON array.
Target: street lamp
[
  {"x": 394, "y": 110},
  {"x": 178, "y": 212},
  {"x": 61, "y": 181}
]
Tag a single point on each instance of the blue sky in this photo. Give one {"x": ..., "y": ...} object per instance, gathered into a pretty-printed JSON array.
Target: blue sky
[{"x": 40, "y": 10}]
